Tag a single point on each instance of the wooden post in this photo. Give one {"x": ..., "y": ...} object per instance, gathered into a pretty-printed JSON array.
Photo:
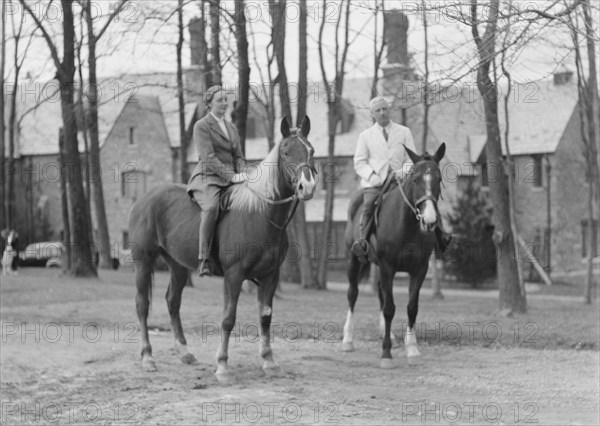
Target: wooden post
[{"x": 530, "y": 256}]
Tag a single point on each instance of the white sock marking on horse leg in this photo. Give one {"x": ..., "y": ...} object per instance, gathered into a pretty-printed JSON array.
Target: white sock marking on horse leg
[
  {"x": 410, "y": 341},
  {"x": 349, "y": 328}
]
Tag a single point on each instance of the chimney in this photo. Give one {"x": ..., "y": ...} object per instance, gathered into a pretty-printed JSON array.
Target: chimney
[
  {"x": 395, "y": 30},
  {"x": 196, "y": 35},
  {"x": 193, "y": 75},
  {"x": 399, "y": 80}
]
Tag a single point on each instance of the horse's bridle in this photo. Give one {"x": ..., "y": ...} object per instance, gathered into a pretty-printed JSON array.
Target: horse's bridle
[
  {"x": 294, "y": 180},
  {"x": 415, "y": 208}
]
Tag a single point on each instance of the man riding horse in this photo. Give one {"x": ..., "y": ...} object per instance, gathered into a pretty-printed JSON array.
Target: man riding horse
[{"x": 379, "y": 152}]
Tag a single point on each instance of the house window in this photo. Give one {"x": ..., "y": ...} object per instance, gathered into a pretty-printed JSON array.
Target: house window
[
  {"x": 125, "y": 239},
  {"x": 131, "y": 138},
  {"x": 589, "y": 233},
  {"x": 133, "y": 183}
]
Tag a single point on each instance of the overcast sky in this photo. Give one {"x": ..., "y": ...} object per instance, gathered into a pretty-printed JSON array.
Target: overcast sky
[{"x": 140, "y": 44}]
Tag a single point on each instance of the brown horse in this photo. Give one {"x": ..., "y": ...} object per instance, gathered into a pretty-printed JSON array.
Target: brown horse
[
  {"x": 404, "y": 242},
  {"x": 250, "y": 241}
]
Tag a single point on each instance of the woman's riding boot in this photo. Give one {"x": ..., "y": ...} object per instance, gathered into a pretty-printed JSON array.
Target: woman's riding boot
[{"x": 208, "y": 220}]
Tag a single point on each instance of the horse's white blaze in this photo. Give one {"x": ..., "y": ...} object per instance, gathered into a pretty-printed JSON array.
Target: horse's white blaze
[
  {"x": 428, "y": 213},
  {"x": 308, "y": 185},
  {"x": 349, "y": 328}
]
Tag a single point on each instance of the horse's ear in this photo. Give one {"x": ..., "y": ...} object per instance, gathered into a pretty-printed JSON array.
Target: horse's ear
[
  {"x": 439, "y": 154},
  {"x": 285, "y": 127},
  {"x": 413, "y": 155},
  {"x": 305, "y": 128}
]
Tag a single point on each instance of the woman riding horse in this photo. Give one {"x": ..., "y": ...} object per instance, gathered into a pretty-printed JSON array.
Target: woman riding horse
[{"x": 220, "y": 163}]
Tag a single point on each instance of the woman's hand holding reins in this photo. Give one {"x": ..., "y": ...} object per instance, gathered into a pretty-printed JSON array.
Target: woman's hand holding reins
[{"x": 239, "y": 178}]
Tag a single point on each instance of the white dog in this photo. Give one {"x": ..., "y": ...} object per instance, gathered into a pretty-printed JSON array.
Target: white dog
[{"x": 7, "y": 260}]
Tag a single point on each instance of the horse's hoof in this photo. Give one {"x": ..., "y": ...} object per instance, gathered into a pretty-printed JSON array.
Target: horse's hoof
[
  {"x": 414, "y": 359},
  {"x": 387, "y": 363},
  {"x": 188, "y": 359},
  {"x": 224, "y": 378},
  {"x": 149, "y": 365},
  {"x": 347, "y": 347}
]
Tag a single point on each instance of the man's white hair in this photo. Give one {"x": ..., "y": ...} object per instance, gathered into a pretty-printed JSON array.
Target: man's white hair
[{"x": 377, "y": 99}]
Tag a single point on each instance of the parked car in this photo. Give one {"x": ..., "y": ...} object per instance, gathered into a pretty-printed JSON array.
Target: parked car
[{"x": 47, "y": 253}]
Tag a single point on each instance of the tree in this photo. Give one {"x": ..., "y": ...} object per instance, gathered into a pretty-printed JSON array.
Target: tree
[
  {"x": 512, "y": 295},
  {"x": 590, "y": 129},
  {"x": 215, "y": 45},
  {"x": 307, "y": 276},
  {"x": 17, "y": 31},
  {"x": 180, "y": 96},
  {"x": 377, "y": 48},
  {"x": 334, "y": 89},
  {"x": 79, "y": 226},
  {"x": 2, "y": 122},
  {"x": 241, "y": 39},
  {"x": 472, "y": 258},
  {"x": 97, "y": 192}
]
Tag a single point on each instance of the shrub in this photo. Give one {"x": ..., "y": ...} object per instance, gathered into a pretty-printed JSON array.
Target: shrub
[{"x": 472, "y": 254}]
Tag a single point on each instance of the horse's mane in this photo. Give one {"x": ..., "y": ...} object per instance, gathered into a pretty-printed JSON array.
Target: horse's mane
[{"x": 262, "y": 179}]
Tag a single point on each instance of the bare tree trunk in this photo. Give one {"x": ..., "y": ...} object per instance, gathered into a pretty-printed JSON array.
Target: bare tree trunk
[
  {"x": 215, "y": 48},
  {"x": 80, "y": 110},
  {"x": 334, "y": 91},
  {"x": 509, "y": 161},
  {"x": 241, "y": 39},
  {"x": 2, "y": 122},
  {"x": 512, "y": 299},
  {"x": 379, "y": 7},
  {"x": 593, "y": 122},
  {"x": 12, "y": 124},
  {"x": 97, "y": 190},
  {"x": 277, "y": 9},
  {"x": 66, "y": 237},
  {"x": 180, "y": 98},
  {"x": 425, "y": 82},
  {"x": 307, "y": 277},
  {"x": 80, "y": 228}
]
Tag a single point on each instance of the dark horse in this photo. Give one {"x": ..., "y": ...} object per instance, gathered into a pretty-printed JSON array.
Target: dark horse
[
  {"x": 404, "y": 242},
  {"x": 249, "y": 243}
]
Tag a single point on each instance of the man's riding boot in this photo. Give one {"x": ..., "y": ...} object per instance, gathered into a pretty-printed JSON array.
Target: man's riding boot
[
  {"x": 442, "y": 238},
  {"x": 208, "y": 219},
  {"x": 361, "y": 247}
]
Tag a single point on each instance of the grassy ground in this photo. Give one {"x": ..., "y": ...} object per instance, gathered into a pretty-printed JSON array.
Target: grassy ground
[{"x": 541, "y": 366}]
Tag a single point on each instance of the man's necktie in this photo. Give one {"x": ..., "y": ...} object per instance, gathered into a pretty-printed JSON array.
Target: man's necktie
[{"x": 385, "y": 134}]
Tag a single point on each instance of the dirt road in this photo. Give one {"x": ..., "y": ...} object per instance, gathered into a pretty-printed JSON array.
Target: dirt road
[{"x": 70, "y": 355}]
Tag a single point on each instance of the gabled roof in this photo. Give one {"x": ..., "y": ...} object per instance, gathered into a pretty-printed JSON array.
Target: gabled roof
[
  {"x": 538, "y": 116},
  {"x": 38, "y": 134}
]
